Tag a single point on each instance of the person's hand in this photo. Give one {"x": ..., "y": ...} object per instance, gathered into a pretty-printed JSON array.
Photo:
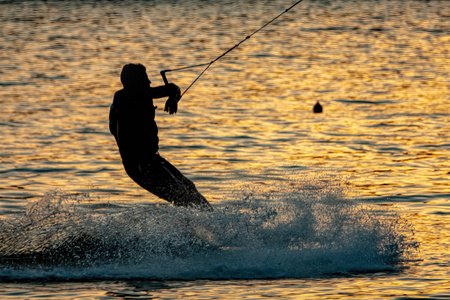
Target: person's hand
[
  {"x": 172, "y": 103},
  {"x": 177, "y": 92}
]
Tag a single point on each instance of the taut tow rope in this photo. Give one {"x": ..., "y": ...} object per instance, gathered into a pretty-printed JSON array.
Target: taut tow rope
[{"x": 163, "y": 72}]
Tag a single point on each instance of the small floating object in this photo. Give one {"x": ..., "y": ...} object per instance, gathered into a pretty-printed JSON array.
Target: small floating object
[{"x": 317, "y": 108}]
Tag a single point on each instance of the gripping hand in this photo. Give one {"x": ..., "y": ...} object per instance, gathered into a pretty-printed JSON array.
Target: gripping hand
[{"x": 172, "y": 103}]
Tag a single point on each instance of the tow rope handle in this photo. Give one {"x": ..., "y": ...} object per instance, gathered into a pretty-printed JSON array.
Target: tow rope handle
[
  {"x": 163, "y": 75},
  {"x": 166, "y": 82}
]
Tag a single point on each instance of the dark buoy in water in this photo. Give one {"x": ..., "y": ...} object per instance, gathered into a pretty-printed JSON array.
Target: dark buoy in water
[{"x": 317, "y": 108}]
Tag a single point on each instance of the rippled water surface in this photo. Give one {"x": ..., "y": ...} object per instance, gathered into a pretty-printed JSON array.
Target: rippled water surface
[{"x": 349, "y": 203}]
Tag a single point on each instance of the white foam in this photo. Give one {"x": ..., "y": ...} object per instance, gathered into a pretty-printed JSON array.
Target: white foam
[{"x": 292, "y": 231}]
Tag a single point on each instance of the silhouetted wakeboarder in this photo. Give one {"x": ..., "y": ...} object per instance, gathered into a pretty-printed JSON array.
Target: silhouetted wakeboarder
[{"x": 132, "y": 122}]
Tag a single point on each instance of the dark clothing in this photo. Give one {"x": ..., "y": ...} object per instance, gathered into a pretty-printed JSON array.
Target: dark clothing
[
  {"x": 137, "y": 134},
  {"x": 132, "y": 122},
  {"x": 161, "y": 178}
]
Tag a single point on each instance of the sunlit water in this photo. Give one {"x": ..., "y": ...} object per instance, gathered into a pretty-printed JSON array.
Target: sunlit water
[{"x": 350, "y": 203}]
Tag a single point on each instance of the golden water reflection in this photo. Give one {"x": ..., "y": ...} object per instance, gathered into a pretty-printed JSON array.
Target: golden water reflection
[
  {"x": 380, "y": 71},
  {"x": 383, "y": 81},
  {"x": 384, "y": 86}
]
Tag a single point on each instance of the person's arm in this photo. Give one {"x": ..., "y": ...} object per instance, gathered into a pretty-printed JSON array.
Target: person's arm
[
  {"x": 172, "y": 91},
  {"x": 113, "y": 122},
  {"x": 165, "y": 90}
]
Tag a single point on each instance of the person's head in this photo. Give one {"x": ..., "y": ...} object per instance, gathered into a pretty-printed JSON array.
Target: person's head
[{"x": 134, "y": 76}]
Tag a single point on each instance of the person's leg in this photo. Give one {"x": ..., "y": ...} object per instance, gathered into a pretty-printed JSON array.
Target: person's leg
[
  {"x": 161, "y": 178},
  {"x": 193, "y": 197}
]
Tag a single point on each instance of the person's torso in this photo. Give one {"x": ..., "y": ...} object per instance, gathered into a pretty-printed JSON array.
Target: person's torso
[{"x": 137, "y": 130}]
